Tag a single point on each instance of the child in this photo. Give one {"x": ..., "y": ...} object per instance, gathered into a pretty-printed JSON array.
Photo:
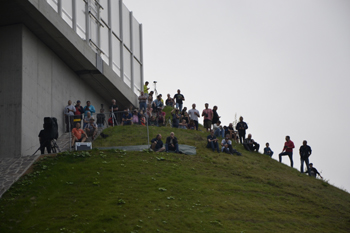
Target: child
[{"x": 267, "y": 150}]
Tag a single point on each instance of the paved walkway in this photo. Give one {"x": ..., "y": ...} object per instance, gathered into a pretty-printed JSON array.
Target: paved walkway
[{"x": 11, "y": 169}]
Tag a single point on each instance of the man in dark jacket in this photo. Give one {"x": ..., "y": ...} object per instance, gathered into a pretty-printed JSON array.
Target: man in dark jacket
[
  {"x": 251, "y": 145},
  {"x": 171, "y": 143},
  {"x": 241, "y": 127},
  {"x": 313, "y": 171},
  {"x": 304, "y": 152}
]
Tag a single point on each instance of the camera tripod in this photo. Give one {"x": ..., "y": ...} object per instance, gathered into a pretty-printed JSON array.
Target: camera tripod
[{"x": 54, "y": 147}]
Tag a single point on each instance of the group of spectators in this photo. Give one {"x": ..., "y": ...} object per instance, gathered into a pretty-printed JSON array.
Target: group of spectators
[{"x": 151, "y": 112}]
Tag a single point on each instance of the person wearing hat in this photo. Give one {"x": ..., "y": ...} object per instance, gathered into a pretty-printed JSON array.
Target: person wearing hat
[
  {"x": 313, "y": 171},
  {"x": 91, "y": 128},
  {"x": 79, "y": 111}
]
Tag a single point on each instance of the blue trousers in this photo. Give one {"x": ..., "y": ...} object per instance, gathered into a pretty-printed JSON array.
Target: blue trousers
[
  {"x": 176, "y": 148},
  {"x": 219, "y": 132},
  {"x": 302, "y": 161},
  {"x": 213, "y": 145},
  {"x": 290, "y": 155},
  {"x": 179, "y": 106}
]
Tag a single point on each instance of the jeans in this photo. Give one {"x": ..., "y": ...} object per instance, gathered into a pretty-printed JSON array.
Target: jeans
[
  {"x": 196, "y": 123},
  {"x": 219, "y": 132},
  {"x": 176, "y": 148},
  {"x": 213, "y": 145},
  {"x": 241, "y": 135},
  {"x": 290, "y": 155},
  {"x": 143, "y": 106},
  {"x": 302, "y": 160},
  {"x": 179, "y": 106}
]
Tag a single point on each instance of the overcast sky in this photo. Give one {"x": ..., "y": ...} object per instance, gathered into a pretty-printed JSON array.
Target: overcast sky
[{"x": 283, "y": 65}]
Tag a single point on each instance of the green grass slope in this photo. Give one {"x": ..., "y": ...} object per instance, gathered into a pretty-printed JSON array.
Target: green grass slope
[{"x": 117, "y": 191}]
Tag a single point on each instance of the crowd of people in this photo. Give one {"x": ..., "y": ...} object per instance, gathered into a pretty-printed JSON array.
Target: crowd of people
[{"x": 151, "y": 112}]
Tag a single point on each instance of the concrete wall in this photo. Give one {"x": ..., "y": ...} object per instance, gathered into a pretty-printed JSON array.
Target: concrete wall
[
  {"x": 10, "y": 91},
  {"x": 42, "y": 84}
]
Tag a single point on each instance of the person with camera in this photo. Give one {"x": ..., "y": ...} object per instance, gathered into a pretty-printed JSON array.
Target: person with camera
[
  {"x": 226, "y": 146},
  {"x": 157, "y": 144},
  {"x": 208, "y": 116},
  {"x": 78, "y": 135},
  {"x": 69, "y": 116},
  {"x": 287, "y": 150},
  {"x": 241, "y": 127},
  {"x": 91, "y": 128}
]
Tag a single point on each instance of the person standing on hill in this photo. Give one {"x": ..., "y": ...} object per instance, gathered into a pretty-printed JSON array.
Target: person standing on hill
[
  {"x": 179, "y": 98},
  {"x": 304, "y": 152},
  {"x": 241, "y": 127},
  {"x": 287, "y": 150},
  {"x": 215, "y": 115},
  {"x": 208, "y": 117},
  {"x": 145, "y": 88},
  {"x": 194, "y": 114}
]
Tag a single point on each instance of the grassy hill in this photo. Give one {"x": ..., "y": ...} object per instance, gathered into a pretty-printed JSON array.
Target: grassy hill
[{"x": 117, "y": 191}]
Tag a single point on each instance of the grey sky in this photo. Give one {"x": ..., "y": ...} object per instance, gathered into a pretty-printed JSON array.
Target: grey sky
[{"x": 283, "y": 65}]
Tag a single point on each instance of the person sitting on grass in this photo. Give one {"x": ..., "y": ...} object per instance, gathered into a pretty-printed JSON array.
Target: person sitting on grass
[
  {"x": 267, "y": 150},
  {"x": 191, "y": 125},
  {"x": 213, "y": 142},
  {"x": 218, "y": 130},
  {"x": 78, "y": 135},
  {"x": 183, "y": 124},
  {"x": 250, "y": 145},
  {"x": 152, "y": 121},
  {"x": 135, "y": 117},
  {"x": 157, "y": 144},
  {"x": 91, "y": 128},
  {"x": 171, "y": 143},
  {"x": 127, "y": 118},
  {"x": 313, "y": 171},
  {"x": 226, "y": 146}
]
